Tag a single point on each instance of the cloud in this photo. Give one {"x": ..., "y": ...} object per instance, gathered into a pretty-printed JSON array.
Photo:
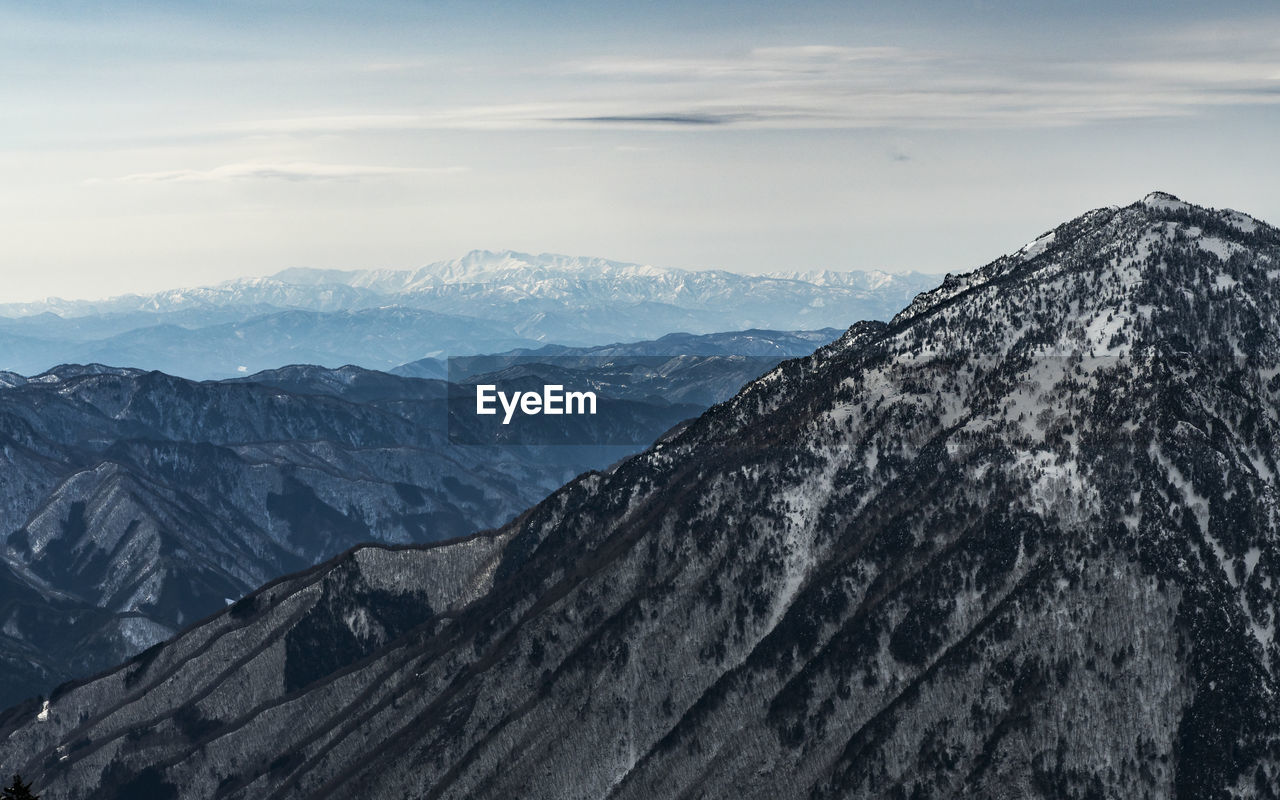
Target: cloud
[
  {"x": 763, "y": 62},
  {"x": 1243, "y": 39},
  {"x": 328, "y": 123},
  {"x": 857, "y": 87},
  {"x": 658, "y": 119},
  {"x": 814, "y": 85},
  {"x": 290, "y": 171},
  {"x": 392, "y": 66}
]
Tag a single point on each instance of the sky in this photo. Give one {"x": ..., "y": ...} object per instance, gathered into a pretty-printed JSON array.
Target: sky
[{"x": 149, "y": 145}]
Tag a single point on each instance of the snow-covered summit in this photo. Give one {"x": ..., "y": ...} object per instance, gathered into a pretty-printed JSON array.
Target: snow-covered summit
[
  {"x": 1163, "y": 201},
  {"x": 525, "y": 270},
  {"x": 1131, "y": 236}
]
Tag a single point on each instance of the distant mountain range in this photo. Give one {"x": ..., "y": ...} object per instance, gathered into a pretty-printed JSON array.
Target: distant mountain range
[
  {"x": 1021, "y": 541},
  {"x": 482, "y": 303},
  {"x": 755, "y": 344},
  {"x": 135, "y": 503}
]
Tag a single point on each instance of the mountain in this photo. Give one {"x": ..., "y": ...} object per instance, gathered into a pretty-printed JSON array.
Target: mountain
[
  {"x": 1021, "y": 541},
  {"x": 377, "y": 337},
  {"x": 482, "y": 303},
  {"x": 753, "y": 343},
  {"x": 243, "y": 295},
  {"x": 137, "y": 502},
  {"x": 569, "y": 278},
  {"x": 679, "y": 367},
  {"x": 590, "y": 301}
]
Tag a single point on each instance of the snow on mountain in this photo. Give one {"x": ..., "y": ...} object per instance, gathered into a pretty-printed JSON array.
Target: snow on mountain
[
  {"x": 576, "y": 280},
  {"x": 546, "y": 275},
  {"x": 9, "y": 379},
  {"x": 478, "y": 266},
  {"x": 484, "y": 302},
  {"x": 1021, "y": 540},
  {"x": 138, "y": 502}
]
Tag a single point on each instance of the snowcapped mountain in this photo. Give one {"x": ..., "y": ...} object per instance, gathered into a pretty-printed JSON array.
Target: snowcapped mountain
[
  {"x": 870, "y": 280},
  {"x": 481, "y": 266},
  {"x": 1022, "y": 540},
  {"x": 481, "y": 303},
  {"x": 496, "y": 276},
  {"x": 246, "y": 294},
  {"x": 483, "y": 278}
]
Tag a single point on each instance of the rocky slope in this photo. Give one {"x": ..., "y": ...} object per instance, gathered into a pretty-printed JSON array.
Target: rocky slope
[
  {"x": 136, "y": 503},
  {"x": 1021, "y": 541},
  {"x": 144, "y": 502}
]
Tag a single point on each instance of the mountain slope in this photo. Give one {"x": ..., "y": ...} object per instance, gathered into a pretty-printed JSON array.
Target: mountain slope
[
  {"x": 1019, "y": 542},
  {"x": 139, "y": 502},
  {"x": 136, "y": 503}
]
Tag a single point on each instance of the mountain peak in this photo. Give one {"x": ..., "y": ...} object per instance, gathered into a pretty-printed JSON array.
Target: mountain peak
[{"x": 1164, "y": 201}]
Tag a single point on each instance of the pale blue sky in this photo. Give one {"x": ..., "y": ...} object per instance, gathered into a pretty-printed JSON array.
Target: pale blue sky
[{"x": 146, "y": 145}]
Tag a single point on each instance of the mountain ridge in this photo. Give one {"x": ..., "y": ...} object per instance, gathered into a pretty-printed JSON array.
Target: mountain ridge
[
  {"x": 142, "y": 501},
  {"x": 481, "y": 303},
  {"x": 372, "y": 286},
  {"x": 1022, "y": 540}
]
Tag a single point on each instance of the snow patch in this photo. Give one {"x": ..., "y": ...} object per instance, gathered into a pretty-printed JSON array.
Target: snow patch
[
  {"x": 1037, "y": 246},
  {"x": 1219, "y": 247},
  {"x": 1163, "y": 201},
  {"x": 1241, "y": 222}
]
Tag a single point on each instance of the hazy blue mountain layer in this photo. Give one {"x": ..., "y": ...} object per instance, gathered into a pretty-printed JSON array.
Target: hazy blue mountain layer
[
  {"x": 482, "y": 303},
  {"x": 750, "y": 343}
]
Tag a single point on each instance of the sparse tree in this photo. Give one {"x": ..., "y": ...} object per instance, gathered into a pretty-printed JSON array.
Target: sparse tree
[{"x": 18, "y": 791}]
